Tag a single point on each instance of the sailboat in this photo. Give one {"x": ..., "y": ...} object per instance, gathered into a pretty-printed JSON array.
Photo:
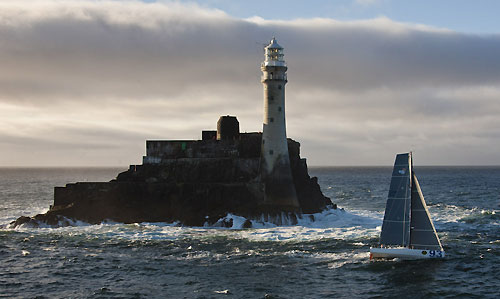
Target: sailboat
[{"x": 407, "y": 230}]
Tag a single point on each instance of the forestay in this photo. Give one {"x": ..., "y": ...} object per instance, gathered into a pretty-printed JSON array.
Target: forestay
[{"x": 396, "y": 225}]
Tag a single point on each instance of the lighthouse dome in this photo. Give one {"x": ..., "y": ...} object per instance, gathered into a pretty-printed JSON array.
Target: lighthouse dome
[
  {"x": 274, "y": 54},
  {"x": 274, "y": 44}
]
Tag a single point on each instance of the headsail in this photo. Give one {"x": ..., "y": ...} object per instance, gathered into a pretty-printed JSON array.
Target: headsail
[
  {"x": 396, "y": 225},
  {"x": 423, "y": 234}
]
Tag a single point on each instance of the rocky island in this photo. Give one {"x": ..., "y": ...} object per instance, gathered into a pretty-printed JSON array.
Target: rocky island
[{"x": 197, "y": 182}]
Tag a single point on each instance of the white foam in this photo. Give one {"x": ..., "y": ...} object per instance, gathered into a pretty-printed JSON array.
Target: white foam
[
  {"x": 336, "y": 224},
  {"x": 222, "y": 292},
  {"x": 339, "y": 224},
  {"x": 237, "y": 221},
  {"x": 447, "y": 216}
]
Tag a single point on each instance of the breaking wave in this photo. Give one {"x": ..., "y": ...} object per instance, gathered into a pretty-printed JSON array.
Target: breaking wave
[
  {"x": 340, "y": 224},
  {"x": 331, "y": 223}
]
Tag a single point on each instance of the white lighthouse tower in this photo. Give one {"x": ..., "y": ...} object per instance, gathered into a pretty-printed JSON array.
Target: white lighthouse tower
[{"x": 275, "y": 161}]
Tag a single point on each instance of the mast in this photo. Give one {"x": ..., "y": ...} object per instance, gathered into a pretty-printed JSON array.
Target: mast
[{"x": 408, "y": 202}]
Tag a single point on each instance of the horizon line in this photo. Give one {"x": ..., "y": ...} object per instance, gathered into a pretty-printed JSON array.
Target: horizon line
[{"x": 309, "y": 166}]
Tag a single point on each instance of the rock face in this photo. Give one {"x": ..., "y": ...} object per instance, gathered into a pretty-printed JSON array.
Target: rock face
[{"x": 192, "y": 182}]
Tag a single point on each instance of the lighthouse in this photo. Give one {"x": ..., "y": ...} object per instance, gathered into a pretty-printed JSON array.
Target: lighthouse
[{"x": 275, "y": 161}]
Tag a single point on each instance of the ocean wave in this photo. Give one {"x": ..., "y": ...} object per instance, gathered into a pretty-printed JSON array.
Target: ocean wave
[
  {"x": 448, "y": 213},
  {"x": 339, "y": 224},
  {"x": 331, "y": 223},
  {"x": 482, "y": 217}
]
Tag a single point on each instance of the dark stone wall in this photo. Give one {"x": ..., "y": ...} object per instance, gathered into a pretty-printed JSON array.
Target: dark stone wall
[
  {"x": 189, "y": 190},
  {"x": 190, "y": 203},
  {"x": 248, "y": 145},
  {"x": 195, "y": 170}
]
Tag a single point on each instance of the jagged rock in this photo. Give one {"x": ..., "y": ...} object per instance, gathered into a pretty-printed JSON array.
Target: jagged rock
[
  {"x": 23, "y": 220},
  {"x": 247, "y": 224},
  {"x": 199, "y": 184},
  {"x": 49, "y": 218}
]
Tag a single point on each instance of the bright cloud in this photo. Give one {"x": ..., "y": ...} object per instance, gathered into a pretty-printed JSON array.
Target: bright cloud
[{"x": 85, "y": 83}]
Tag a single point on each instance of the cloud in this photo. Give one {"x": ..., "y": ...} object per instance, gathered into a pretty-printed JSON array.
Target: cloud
[
  {"x": 82, "y": 73},
  {"x": 366, "y": 2}
]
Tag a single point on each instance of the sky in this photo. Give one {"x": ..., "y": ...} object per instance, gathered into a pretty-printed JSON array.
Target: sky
[{"x": 85, "y": 83}]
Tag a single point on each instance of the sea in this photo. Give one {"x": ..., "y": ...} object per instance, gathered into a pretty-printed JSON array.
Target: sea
[{"x": 323, "y": 256}]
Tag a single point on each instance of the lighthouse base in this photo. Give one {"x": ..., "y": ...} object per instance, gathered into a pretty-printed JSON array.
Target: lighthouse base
[{"x": 279, "y": 189}]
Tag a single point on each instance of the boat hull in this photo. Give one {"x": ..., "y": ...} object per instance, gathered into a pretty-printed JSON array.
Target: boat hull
[{"x": 405, "y": 253}]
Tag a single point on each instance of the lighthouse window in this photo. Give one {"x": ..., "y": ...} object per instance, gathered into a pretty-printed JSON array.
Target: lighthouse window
[
  {"x": 279, "y": 86},
  {"x": 271, "y": 98},
  {"x": 279, "y": 109},
  {"x": 271, "y": 119},
  {"x": 271, "y": 152}
]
